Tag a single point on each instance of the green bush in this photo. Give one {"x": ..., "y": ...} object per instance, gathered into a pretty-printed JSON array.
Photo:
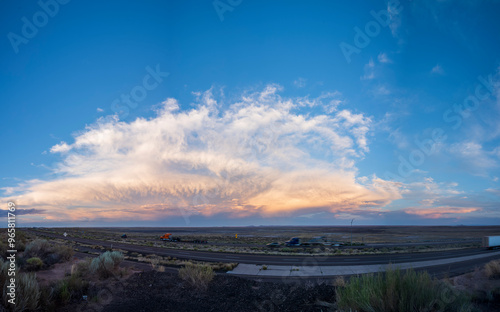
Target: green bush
[
  {"x": 34, "y": 264},
  {"x": 400, "y": 291},
  {"x": 199, "y": 276},
  {"x": 71, "y": 287},
  {"x": 37, "y": 248},
  {"x": 106, "y": 263}
]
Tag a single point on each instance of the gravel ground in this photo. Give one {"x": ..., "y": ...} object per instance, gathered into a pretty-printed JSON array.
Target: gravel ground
[{"x": 156, "y": 291}]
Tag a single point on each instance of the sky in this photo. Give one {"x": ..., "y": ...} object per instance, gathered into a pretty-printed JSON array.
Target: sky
[{"x": 237, "y": 112}]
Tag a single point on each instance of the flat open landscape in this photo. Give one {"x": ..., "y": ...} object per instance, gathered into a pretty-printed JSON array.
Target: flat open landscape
[
  {"x": 243, "y": 156},
  {"x": 267, "y": 234},
  {"x": 365, "y": 239},
  {"x": 145, "y": 278}
]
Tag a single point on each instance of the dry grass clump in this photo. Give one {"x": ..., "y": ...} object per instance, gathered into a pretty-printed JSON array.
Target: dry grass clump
[
  {"x": 339, "y": 281},
  {"x": 155, "y": 262},
  {"x": 492, "y": 269},
  {"x": 198, "y": 276}
]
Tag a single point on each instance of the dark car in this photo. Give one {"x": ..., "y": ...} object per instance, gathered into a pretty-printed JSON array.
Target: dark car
[
  {"x": 273, "y": 245},
  {"x": 294, "y": 241}
]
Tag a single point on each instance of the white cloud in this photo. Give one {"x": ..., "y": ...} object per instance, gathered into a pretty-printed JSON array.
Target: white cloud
[
  {"x": 383, "y": 58},
  {"x": 369, "y": 70},
  {"x": 397, "y": 137},
  {"x": 478, "y": 160},
  {"x": 437, "y": 70},
  {"x": 100, "y": 110},
  {"x": 328, "y": 101},
  {"x": 394, "y": 9},
  {"x": 299, "y": 82},
  {"x": 263, "y": 154},
  {"x": 381, "y": 90}
]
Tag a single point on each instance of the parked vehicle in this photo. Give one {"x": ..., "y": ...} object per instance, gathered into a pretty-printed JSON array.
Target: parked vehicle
[
  {"x": 169, "y": 238},
  {"x": 166, "y": 237},
  {"x": 124, "y": 236},
  {"x": 321, "y": 241},
  {"x": 294, "y": 241},
  {"x": 317, "y": 241},
  {"x": 198, "y": 241},
  {"x": 491, "y": 242}
]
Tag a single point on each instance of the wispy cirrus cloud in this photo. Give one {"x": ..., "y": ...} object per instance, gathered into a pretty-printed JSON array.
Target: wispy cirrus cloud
[
  {"x": 300, "y": 82},
  {"x": 383, "y": 58},
  {"x": 369, "y": 71},
  {"x": 437, "y": 70},
  {"x": 475, "y": 158},
  {"x": 263, "y": 155}
]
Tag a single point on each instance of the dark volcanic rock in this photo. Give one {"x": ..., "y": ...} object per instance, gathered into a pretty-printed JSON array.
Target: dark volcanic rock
[{"x": 155, "y": 291}]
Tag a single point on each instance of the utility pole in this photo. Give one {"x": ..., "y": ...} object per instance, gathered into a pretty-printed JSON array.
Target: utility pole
[{"x": 351, "y": 230}]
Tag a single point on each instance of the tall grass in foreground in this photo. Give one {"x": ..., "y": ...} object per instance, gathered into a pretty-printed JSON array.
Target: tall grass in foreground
[
  {"x": 400, "y": 291},
  {"x": 198, "y": 276},
  {"x": 27, "y": 289}
]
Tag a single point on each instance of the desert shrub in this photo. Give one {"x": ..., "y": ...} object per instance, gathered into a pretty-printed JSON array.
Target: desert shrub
[
  {"x": 3, "y": 250},
  {"x": 20, "y": 246},
  {"x": 400, "y": 291},
  {"x": 63, "y": 293},
  {"x": 38, "y": 248},
  {"x": 198, "y": 276},
  {"x": 71, "y": 287},
  {"x": 48, "y": 253},
  {"x": 52, "y": 259},
  {"x": 27, "y": 293},
  {"x": 4, "y": 267},
  {"x": 34, "y": 264},
  {"x": 65, "y": 253},
  {"x": 492, "y": 268},
  {"x": 47, "y": 302},
  {"x": 106, "y": 263},
  {"x": 82, "y": 268}
]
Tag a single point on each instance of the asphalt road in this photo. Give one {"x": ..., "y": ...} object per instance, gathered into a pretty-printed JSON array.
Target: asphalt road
[{"x": 280, "y": 259}]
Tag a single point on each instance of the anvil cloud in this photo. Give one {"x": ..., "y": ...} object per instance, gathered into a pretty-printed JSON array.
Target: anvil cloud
[{"x": 262, "y": 154}]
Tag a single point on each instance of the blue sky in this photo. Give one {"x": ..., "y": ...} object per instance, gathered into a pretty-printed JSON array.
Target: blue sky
[{"x": 250, "y": 112}]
